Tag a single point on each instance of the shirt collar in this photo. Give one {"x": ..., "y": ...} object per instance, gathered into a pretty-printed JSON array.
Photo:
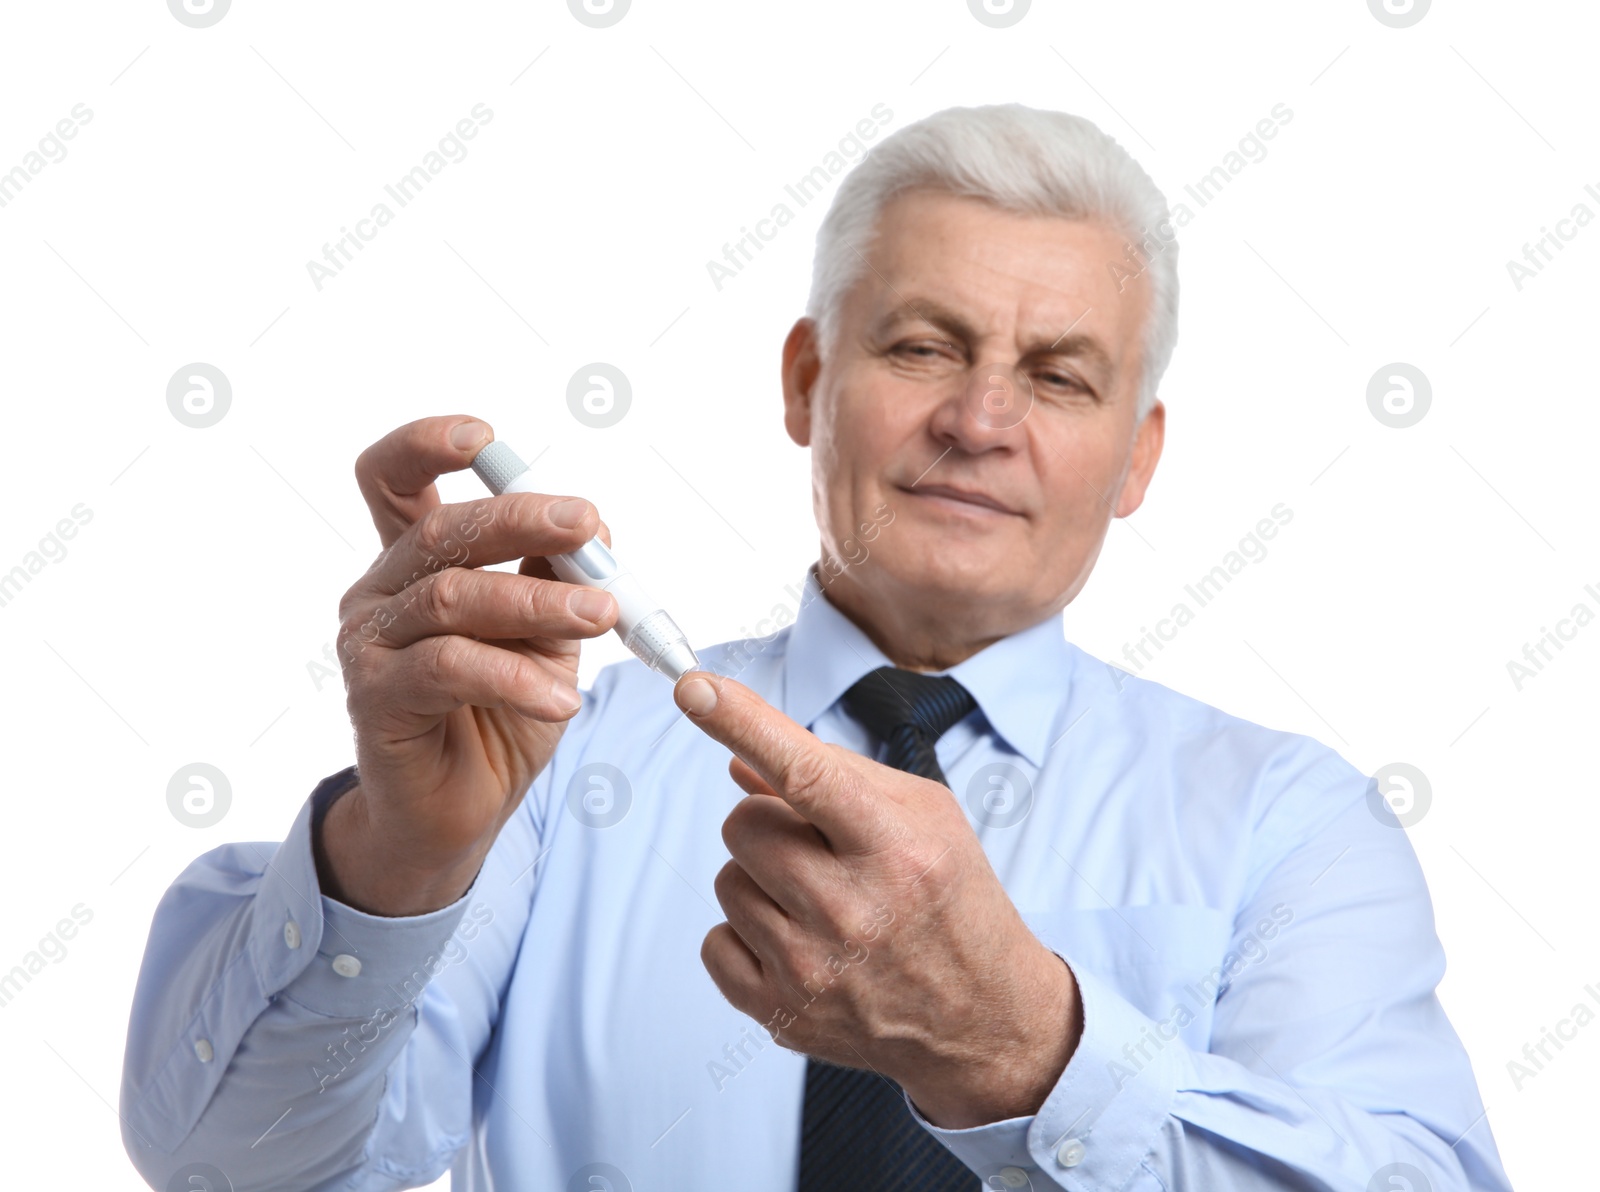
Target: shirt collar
[{"x": 1019, "y": 682}]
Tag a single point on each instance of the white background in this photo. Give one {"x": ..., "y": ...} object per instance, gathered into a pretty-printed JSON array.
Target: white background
[{"x": 180, "y": 625}]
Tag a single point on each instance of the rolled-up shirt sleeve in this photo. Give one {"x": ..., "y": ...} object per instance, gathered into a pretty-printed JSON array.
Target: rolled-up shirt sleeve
[{"x": 1330, "y": 1064}]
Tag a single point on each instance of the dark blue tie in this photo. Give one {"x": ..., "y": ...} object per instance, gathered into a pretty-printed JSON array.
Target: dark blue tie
[{"x": 856, "y": 1134}]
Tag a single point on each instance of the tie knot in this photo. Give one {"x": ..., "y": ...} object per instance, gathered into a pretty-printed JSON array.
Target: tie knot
[{"x": 889, "y": 699}]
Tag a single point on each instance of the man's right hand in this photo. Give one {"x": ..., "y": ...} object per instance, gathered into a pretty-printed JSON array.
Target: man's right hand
[{"x": 460, "y": 681}]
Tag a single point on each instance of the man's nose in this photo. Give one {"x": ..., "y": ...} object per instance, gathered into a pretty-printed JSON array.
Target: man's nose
[{"x": 985, "y": 408}]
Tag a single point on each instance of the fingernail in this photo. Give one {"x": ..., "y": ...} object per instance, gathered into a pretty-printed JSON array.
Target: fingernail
[
  {"x": 589, "y": 604},
  {"x": 566, "y": 699},
  {"x": 567, "y": 514},
  {"x": 468, "y": 435},
  {"x": 696, "y": 696}
]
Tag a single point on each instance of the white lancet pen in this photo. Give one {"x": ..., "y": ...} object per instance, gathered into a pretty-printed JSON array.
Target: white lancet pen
[{"x": 644, "y": 626}]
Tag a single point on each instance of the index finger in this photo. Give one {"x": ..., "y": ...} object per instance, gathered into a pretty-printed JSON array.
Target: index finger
[
  {"x": 396, "y": 473},
  {"x": 478, "y": 533},
  {"x": 812, "y": 777}
]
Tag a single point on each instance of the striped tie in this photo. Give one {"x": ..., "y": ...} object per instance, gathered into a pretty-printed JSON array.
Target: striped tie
[{"x": 856, "y": 1134}]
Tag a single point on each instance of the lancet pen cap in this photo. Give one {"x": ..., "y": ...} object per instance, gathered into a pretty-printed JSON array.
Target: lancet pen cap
[{"x": 497, "y": 466}]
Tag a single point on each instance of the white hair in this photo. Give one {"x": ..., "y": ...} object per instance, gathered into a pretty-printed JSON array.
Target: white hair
[{"x": 1019, "y": 159}]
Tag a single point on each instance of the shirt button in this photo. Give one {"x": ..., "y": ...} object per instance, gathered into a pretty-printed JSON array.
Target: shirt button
[
  {"x": 203, "y": 1051},
  {"x": 346, "y": 965},
  {"x": 1070, "y": 1153},
  {"x": 291, "y": 934},
  {"x": 1013, "y": 1177}
]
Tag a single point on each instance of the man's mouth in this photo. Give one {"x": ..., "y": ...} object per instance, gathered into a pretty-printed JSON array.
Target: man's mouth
[{"x": 962, "y": 500}]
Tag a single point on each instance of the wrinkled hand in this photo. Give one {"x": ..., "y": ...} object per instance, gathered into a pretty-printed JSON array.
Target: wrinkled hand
[
  {"x": 461, "y": 678},
  {"x": 866, "y": 926}
]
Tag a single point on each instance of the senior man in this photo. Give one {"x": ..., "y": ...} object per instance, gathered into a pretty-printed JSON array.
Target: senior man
[{"x": 996, "y": 914}]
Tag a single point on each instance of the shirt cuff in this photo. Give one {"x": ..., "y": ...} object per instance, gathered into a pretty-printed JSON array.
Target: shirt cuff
[
  {"x": 329, "y": 957},
  {"x": 1101, "y": 1119}
]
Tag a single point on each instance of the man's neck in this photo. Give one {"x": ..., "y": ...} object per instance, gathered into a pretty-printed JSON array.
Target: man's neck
[{"x": 908, "y": 636}]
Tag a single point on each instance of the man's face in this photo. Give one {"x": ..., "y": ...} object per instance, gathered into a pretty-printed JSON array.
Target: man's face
[{"x": 938, "y": 484}]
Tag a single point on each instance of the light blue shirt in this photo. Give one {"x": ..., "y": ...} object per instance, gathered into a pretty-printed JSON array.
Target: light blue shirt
[{"x": 1248, "y": 925}]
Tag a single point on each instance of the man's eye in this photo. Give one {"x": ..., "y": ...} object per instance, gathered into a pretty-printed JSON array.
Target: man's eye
[
  {"x": 1057, "y": 380},
  {"x": 920, "y": 351}
]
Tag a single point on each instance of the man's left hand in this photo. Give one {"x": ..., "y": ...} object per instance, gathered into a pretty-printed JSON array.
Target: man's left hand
[{"x": 867, "y": 928}]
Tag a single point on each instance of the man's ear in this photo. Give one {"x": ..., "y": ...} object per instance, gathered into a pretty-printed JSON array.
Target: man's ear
[
  {"x": 802, "y": 361},
  {"x": 1147, "y": 441}
]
